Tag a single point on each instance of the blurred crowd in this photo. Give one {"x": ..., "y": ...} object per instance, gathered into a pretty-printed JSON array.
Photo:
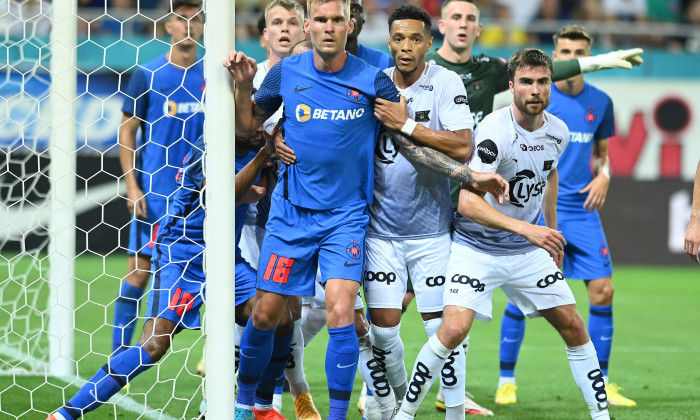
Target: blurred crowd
[{"x": 671, "y": 24}]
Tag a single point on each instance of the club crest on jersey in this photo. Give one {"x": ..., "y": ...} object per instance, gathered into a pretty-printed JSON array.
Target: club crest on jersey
[
  {"x": 422, "y": 116},
  {"x": 353, "y": 250},
  {"x": 590, "y": 115},
  {"x": 385, "y": 150},
  {"x": 547, "y": 165},
  {"x": 354, "y": 94},
  {"x": 604, "y": 251}
]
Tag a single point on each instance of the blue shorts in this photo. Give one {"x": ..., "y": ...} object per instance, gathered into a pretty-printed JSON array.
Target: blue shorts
[
  {"x": 177, "y": 286},
  {"x": 143, "y": 232},
  {"x": 298, "y": 241},
  {"x": 586, "y": 254},
  {"x": 245, "y": 281}
]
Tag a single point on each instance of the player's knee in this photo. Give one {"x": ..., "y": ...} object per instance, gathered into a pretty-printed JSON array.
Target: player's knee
[
  {"x": 603, "y": 294},
  {"x": 452, "y": 334},
  {"x": 139, "y": 278},
  {"x": 263, "y": 320},
  {"x": 340, "y": 315},
  {"x": 156, "y": 346}
]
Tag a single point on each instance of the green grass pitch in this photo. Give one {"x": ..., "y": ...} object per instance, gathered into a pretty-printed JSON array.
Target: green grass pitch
[{"x": 655, "y": 357}]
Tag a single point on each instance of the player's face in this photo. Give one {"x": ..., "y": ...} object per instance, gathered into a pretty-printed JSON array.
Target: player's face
[
  {"x": 566, "y": 49},
  {"x": 408, "y": 43},
  {"x": 357, "y": 14},
  {"x": 185, "y": 26},
  {"x": 531, "y": 87},
  {"x": 284, "y": 28},
  {"x": 460, "y": 25},
  {"x": 254, "y": 142},
  {"x": 329, "y": 25}
]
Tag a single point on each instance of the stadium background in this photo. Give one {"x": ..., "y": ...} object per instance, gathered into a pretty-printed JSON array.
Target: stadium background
[{"x": 653, "y": 156}]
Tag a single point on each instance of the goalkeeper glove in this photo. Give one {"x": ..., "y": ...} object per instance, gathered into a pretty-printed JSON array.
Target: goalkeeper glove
[{"x": 621, "y": 59}]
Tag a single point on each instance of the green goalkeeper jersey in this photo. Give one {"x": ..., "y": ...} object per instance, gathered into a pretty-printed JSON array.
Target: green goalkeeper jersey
[{"x": 484, "y": 76}]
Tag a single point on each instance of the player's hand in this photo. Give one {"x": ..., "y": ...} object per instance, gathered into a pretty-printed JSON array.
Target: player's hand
[
  {"x": 284, "y": 152},
  {"x": 597, "y": 190},
  {"x": 620, "y": 59},
  {"x": 692, "y": 236},
  {"x": 241, "y": 67},
  {"x": 391, "y": 114},
  {"x": 136, "y": 203},
  {"x": 493, "y": 184},
  {"x": 548, "y": 239},
  {"x": 253, "y": 195}
]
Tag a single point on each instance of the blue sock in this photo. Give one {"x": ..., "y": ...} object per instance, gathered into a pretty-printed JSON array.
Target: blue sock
[
  {"x": 512, "y": 333},
  {"x": 125, "y": 313},
  {"x": 279, "y": 388},
  {"x": 600, "y": 328},
  {"x": 112, "y": 377},
  {"x": 341, "y": 364},
  {"x": 256, "y": 349},
  {"x": 274, "y": 370}
]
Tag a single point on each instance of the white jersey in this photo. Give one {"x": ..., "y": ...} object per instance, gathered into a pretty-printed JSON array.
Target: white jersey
[
  {"x": 525, "y": 159},
  {"x": 271, "y": 122},
  {"x": 412, "y": 202}
]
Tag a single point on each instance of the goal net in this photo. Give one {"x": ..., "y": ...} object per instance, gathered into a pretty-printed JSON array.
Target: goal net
[{"x": 64, "y": 225}]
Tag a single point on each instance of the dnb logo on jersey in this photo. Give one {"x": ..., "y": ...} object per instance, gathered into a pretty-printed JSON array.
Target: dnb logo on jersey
[
  {"x": 521, "y": 189},
  {"x": 590, "y": 115},
  {"x": 353, "y": 250}
]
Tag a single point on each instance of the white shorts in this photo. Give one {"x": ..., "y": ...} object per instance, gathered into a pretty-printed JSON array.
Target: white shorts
[
  {"x": 389, "y": 263},
  {"x": 318, "y": 301},
  {"x": 250, "y": 243},
  {"x": 531, "y": 280}
]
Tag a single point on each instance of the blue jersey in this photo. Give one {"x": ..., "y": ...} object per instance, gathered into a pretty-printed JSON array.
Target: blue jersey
[
  {"x": 589, "y": 116},
  {"x": 374, "y": 57},
  {"x": 168, "y": 101},
  {"x": 182, "y": 229},
  {"x": 329, "y": 123},
  {"x": 242, "y": 210}
]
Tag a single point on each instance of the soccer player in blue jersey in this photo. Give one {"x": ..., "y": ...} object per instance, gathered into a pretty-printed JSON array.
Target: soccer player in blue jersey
[
  {"x": 588, "y": 112},
  {"x": 370, "y": 55},
  {"x": 163, "y": 99},
  {"x": 178, "y": 285}
]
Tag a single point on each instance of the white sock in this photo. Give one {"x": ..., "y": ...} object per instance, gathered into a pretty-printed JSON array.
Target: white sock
[
  {"x": 387, "y": 345},
  {"x": 312, "y": 321},
  {"x": 372, "y": 371},
  {"x": 277, "y": 402},
  {"x": 465, "y": 345},
  {"x": 506, "y": 380},
  {"x": 295, "y": 366},
  {"x": 456, "y": 412},
  {"x": 426, "y": 369},
  {"x": 237, "y": 333},
  {"x": 453, "y": 374},
  {"x": 589, "y": 378}
]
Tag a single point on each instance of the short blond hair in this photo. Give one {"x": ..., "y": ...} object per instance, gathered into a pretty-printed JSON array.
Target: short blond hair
[
  {"x": 346, "y": 5},
  {"x": 287, "y": 4}
]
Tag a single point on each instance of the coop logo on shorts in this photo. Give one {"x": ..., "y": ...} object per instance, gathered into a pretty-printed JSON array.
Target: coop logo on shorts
[
  {"x": 487, "y": 151},
  {"x": 522, "y": 190},
  {"x": 304, "y": 113},
  {"x": 550, "y": 279},
  {"x": 380, "y": 276},
  {"x": 475, "y": 284}
]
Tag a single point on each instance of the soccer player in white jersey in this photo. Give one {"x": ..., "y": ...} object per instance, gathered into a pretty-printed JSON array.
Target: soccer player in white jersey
[
  {"x": 502, "y": 246},
  {"x": 409, "y": 230}
]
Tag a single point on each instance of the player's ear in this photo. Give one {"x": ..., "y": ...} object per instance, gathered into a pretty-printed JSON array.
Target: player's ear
[
  {"x": 351, "y": 25},
  {"x": 306, "y": 25},
  {"x": 430, "y": 43},
  {"x": 510, "y": 86},
  {"x": 168, "y": 26},
  {"x": 266, "y": 35}
]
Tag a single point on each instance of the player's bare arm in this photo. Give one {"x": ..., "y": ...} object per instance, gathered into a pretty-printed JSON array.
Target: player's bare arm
[
  {"x": 692, "y": 234},
  {"x": 246, "y": 192},
  {"x": 249, "y": 116},
  {"x": 472, "y": 205},
  {"x": 597, "y": 189},
  {"x": 135, "y": 202},
  {"x": 549, "y": 208},
  {"x": 438, "y": 162},
  {"x": 455, "y": 144}
]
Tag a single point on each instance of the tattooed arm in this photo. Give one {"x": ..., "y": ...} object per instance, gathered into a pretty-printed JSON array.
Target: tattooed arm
[{"x": 444, "y": 165}]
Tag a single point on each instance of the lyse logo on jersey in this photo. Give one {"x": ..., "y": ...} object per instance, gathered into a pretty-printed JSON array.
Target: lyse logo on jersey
[
  {"x": 278, "y": 268},
  {"x": 304, "y": 113},
  {"x": 521, "y": 190}
]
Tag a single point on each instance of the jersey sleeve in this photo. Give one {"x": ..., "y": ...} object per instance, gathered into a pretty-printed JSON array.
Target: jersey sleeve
[
  {"x": 606, "y": 129},
  {"x": 136, "y": 100},
  {"x": 454, "y": 105},
  {"x": 385, "y": 88},
  {"x": 268, "y": 97},
  {"x": 489, "y": 147},
  {"x": 564, "y": 69}
]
